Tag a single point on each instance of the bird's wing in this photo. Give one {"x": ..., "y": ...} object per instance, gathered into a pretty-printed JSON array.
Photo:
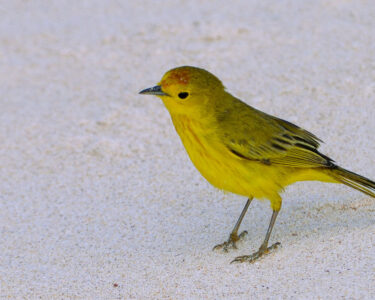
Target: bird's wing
[{"x": 253, "y": 135}]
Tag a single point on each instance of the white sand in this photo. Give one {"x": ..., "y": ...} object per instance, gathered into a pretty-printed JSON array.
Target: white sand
[{"x": 97, "y": 190}]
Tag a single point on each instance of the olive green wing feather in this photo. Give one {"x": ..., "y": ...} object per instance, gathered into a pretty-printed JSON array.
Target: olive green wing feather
[{"x": 253, "y": 135}]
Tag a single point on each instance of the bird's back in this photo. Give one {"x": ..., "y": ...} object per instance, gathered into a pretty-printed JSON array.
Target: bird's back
[{"x": 255, "y": 135}]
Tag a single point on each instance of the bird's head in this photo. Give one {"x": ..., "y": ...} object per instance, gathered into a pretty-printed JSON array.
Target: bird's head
[{"x": 187, "y": 89}]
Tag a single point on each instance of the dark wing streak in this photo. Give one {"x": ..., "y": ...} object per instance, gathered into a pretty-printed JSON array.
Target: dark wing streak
[
  {"x": 294, "y": 153},
  {"x": 263, "y": 161},
  {"x": 299, "y": 133}
]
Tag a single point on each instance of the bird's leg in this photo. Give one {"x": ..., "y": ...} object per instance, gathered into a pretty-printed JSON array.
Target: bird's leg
[
  {"x": 234, "y": 237},
  {"x": 264, "y": 249}
]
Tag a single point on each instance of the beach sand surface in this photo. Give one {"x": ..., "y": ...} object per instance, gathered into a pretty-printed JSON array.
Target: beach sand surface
[{"x": 98, "y": 198}]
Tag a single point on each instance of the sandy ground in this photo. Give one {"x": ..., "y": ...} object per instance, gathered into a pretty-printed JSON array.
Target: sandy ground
[{"x": 98, "y": 199}]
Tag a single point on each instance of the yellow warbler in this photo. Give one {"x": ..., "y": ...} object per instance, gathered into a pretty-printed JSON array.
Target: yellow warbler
[{"x": 243, "y": 150}]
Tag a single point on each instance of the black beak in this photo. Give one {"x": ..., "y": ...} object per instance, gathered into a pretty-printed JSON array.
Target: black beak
[{"x": 156, "y": 90}]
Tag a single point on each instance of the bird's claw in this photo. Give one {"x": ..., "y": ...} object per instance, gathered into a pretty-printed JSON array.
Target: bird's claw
[
  {"x": 253, "y": 257},
  {"x": 231, "y": 242}
]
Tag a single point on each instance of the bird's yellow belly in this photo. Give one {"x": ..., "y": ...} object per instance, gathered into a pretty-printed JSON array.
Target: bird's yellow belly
[
  {"x": 223, "y": 169},
  {"x": 222, "y": 175},
  {"x": 238, "y": 176}
]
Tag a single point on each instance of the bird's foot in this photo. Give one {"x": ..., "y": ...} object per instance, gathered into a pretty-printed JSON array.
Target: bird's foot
[
  {"x": 231, "y": 242},
  {"x": 253, "y": 257}
]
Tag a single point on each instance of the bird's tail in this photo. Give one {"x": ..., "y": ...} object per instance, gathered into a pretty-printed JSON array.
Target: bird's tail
[{"x": 354, "y": 180}]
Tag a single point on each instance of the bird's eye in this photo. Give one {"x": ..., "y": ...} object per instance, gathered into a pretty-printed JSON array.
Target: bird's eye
[{"x": 183, "y": 95}]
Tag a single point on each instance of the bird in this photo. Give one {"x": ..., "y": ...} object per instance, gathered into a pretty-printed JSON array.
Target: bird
[{"x": 240, "y": 149}]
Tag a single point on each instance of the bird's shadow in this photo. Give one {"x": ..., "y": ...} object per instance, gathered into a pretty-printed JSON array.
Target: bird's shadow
[
  {"x": 202, "y": 223},
  {"x": 297, "y": 220}
]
